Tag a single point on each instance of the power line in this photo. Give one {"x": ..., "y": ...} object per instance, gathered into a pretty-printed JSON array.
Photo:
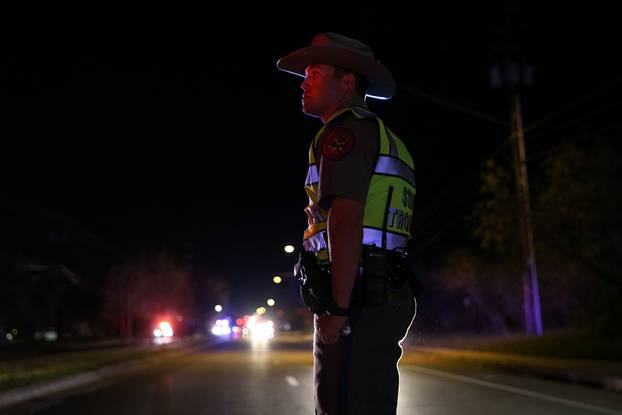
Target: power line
[
  {"x": 460, "y": 108},
  {"x": 555, "y": 147},
  {"x": 573, "y": 123},
  {"x": 571, "y": 105}
]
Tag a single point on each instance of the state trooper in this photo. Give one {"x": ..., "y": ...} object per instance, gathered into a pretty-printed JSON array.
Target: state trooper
[{"x": 360, "y": 184}]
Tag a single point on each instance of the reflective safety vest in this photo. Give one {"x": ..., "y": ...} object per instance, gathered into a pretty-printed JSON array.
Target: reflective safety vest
[{"x": 389, "y": 206}]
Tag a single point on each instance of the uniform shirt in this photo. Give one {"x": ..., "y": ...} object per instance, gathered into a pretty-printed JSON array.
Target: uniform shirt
[{"x": 347, "y": 151}]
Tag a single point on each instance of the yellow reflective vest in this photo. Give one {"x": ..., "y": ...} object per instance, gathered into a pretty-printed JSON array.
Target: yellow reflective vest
[{"x": 389, "y": 205}]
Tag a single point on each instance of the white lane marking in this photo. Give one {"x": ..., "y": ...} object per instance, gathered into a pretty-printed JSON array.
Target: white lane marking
[
  {"x": 514, "y": 390},
  {"x": 292, "y": 381}
]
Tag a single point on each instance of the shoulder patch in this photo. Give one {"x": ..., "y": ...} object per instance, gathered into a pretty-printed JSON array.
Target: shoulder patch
[{"x": 337, "y": 143}]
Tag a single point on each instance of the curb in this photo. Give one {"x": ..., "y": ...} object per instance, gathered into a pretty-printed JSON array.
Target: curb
[
  {"x": 45, "y": 388},
  {"x": 607, "y": 382},
  {"x": 573, "y": 376}
]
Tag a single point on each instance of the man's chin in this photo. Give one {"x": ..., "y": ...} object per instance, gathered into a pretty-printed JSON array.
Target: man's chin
[{"x": 309, "y": 112}]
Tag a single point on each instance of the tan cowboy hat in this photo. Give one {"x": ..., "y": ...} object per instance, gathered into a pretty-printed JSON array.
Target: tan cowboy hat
[{"x": 338, "y": 50}]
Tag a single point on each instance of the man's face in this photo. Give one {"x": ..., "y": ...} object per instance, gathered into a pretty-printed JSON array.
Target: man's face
[{"x": 321, "y": 90}]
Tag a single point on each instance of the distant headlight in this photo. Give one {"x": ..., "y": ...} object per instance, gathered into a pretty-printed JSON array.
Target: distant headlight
[
  {"x": 221, "y": 328},
  {"x": 263, "y": 330},
  {"x": 164, "y": 330}
]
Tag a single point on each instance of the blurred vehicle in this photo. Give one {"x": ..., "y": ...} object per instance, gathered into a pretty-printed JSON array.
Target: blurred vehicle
[
  {"x": 163, "y": 333},
  {"x": 222, "y": 328},
  {"x": 256, "y": 327}
]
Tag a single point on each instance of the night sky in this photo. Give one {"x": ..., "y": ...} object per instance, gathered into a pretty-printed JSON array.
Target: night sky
[{"x": 178, "y": 131}]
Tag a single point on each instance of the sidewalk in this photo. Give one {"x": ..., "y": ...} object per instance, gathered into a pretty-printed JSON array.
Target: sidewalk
[{"x": 596, "y": 373}]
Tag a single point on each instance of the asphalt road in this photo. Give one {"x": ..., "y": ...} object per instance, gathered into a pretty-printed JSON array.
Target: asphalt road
[{"x": 246, "y": 378}]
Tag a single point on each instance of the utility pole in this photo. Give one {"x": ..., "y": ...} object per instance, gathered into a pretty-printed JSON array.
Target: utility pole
[
  {"x": 531, "y": 292},
  {"x": 512, "y": 76}
]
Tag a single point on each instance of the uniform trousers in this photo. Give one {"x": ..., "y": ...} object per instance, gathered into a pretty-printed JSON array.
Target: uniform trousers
[{"x": 359, "y": 374}]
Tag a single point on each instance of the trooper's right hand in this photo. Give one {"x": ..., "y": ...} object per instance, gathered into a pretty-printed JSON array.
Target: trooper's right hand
[{"x": 329, "y": 327}]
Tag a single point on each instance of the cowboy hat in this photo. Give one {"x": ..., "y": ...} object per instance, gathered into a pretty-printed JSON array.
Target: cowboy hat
[{"x": 347, "y": 53}]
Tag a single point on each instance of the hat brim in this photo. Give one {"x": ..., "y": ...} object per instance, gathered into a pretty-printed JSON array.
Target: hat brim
[{"x": 381, "y": 83}]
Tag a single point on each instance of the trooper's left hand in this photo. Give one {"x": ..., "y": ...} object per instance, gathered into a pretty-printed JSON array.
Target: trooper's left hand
[{"x": 329, "y": 327}]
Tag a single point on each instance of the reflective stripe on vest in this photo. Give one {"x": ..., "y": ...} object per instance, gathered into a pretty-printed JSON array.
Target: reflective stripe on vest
[
  {"x": 312, "y": 176},
  {"x": 373, "y": 236},
  {"x": 316, "y": 242},
  {"x": 394, "y": 167}
]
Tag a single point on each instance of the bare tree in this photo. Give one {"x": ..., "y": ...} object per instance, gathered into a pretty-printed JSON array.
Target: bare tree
[{"x": 148, "y": 286}]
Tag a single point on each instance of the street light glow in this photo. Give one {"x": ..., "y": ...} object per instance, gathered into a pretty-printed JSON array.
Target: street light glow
[
  {"x": 277, "y": 279},
  {"x": 270, "y": 302},
  {"x": 289, "y": 249},
  {"x": 261, "y": 310},
  {"x": 218, "y": 308}
]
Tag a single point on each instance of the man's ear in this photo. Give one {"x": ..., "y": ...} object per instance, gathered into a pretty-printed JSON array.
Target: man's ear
[{"x": 349, "y": 81}]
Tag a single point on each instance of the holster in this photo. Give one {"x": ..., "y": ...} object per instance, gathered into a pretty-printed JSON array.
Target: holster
[
  {"x": 383, "y": 270},
  {"x": 314, "y": 282}
]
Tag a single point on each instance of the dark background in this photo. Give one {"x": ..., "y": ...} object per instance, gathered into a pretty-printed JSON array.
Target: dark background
[{"x": 126, "y": 131}]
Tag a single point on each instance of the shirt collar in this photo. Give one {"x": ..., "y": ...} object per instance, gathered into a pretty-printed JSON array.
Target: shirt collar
[{"x": 353, "y": 102}]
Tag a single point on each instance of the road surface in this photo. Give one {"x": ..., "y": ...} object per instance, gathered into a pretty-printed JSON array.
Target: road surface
[{"x": 276, "y": 378}]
